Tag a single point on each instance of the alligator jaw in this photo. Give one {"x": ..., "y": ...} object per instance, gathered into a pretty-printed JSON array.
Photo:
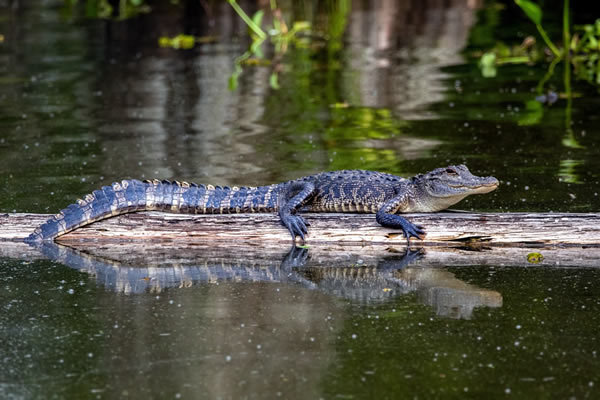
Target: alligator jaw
[{"x": 480, "y": 189}]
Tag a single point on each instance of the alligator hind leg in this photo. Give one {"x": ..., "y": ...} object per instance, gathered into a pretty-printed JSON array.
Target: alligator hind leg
[
  {"x": 295, "y": 196},
  {"x": 386, "y": 217}
]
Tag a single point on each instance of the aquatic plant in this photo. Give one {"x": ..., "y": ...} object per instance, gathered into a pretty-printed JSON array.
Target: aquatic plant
[
  {"x": 278, "y": 32},
  {"x": 581, "y": 49}
]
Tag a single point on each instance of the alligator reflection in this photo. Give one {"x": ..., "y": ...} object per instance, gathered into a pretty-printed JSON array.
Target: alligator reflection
[{"x": 366, "y": 280}]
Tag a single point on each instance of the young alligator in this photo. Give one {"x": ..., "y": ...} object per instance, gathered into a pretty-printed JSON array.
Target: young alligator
[{"x": 353, "y": 191}]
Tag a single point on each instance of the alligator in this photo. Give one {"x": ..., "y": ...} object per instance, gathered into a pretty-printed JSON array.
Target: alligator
[{"x": 346, "y": 191}]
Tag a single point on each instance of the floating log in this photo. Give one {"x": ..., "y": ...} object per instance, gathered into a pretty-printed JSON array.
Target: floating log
[{"x": 443, "y": 229}]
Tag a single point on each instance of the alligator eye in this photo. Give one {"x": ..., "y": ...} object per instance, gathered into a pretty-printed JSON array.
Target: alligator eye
[{"x": 451, "y": 171}]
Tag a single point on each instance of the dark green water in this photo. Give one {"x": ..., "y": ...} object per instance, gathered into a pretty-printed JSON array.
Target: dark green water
[
  {"x": 71, "y": 336},
  {"x": 85, "y": 102}
]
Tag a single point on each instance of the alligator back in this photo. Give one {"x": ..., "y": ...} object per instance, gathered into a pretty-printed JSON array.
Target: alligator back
[{"x": 179, "y": 197}]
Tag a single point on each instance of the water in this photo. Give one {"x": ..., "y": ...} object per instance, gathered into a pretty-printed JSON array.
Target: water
[
  {"x": 85, "y": 102},
  {"x": 231, "y": 326}
]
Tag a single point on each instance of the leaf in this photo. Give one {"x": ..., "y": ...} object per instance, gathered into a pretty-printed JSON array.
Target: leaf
[
  {"x": 255, "y": 28},
  {"x": 535, "y": 258},
  {"x": 105, "y": 10},
  {"x": 487, "y": 64},
  {"x": 257, "y": 17},
  {"x": 301, "y": 26},
  {"x": 532, "y": 10},
  {"x": 185, "y": 41},
  {"x": 232, "y": 82},
  {"x": 488, "y": 59},
  {"x": 233, "y": 79},
  {"x": 339, "y": 105},
  {"x": 178, "y": 42},
  {"x": 273, "y": 81},
  {"x": 256, "y": 49},
  {"x": 532, "y": 115},
  {"x": 164, "y": 41}
]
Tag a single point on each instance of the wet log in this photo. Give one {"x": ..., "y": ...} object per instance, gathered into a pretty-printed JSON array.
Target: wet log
[
  {"x": 163, "y": 254},
  {"x": 443, "y": 229}
]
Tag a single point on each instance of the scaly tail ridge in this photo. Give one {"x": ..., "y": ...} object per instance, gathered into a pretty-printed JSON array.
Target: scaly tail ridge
[
  {"x": 120, "y": 198},
  {"x": 132, "y": 195}
]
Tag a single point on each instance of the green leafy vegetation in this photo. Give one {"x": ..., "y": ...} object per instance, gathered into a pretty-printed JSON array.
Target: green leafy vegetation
[
  {"x": 264, "y": 26},
  {"x": 178, "y": 42},
  {"x": 585, "y": 46},
  {"x": 280, "y": 35},
  {"x": 535, "y": 258},
  {"x": 534, "y": 12},
  {"x": 581, "y": 50}
]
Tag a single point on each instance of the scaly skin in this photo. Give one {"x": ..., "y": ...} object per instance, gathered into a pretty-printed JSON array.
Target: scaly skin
[{"x": 348, "y": 191}]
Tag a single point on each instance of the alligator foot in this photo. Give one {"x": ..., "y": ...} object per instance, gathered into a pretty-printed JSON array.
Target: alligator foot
[
  {"x": 296, "y": 225},
  {"x": 397, "y": 222}
]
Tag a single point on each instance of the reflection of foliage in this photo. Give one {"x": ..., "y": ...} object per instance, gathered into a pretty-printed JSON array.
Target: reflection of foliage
[
  {"x": 103, "y": 8},
  {"x": 313, "y": 123},
  {"x": 568, "y": 171},
  {"x": 362, "y": 134}
]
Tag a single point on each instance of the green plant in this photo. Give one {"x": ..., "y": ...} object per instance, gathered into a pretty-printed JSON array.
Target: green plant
[
  {"x": 580, "y": 50},
  {"x": 534, "y": 12},
  {"x": 279, "y": 34},
  {"x": 585, "y": 46},
  {"x": 528, "y": 51}
]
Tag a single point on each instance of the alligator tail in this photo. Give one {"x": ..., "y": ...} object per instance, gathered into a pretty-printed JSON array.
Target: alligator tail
[{"x": 132, "y": 195}]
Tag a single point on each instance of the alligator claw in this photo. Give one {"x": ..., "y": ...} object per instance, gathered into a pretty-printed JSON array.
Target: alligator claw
[
  {"x": 397, "y": 222},
  {"x": 412, "y": 230},
  {"x": 303, "y": 224},
  {"x": 296, "y": 225}
]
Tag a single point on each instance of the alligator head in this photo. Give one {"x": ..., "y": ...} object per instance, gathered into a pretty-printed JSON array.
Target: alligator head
[{"x": 444, "y": 187}]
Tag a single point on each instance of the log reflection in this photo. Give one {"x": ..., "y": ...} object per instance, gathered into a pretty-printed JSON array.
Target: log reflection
[{"x": 130, "y": 269}]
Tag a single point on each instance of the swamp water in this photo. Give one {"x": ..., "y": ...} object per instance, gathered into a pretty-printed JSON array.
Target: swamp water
[{"x": 86, "y": 102}]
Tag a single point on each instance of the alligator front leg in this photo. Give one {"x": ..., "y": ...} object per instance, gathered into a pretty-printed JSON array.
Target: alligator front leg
[
  {"x": 295, "y": 196},
  {"x": 386, "y": 217}
]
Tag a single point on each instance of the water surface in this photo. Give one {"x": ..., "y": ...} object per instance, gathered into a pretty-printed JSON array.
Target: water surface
[{"x": 85, "y": 102}]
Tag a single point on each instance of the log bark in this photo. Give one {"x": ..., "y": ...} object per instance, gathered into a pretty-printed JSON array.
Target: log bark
[
  {"x": 443, "y": 229},
  {"x": 163, "y": 254}
]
